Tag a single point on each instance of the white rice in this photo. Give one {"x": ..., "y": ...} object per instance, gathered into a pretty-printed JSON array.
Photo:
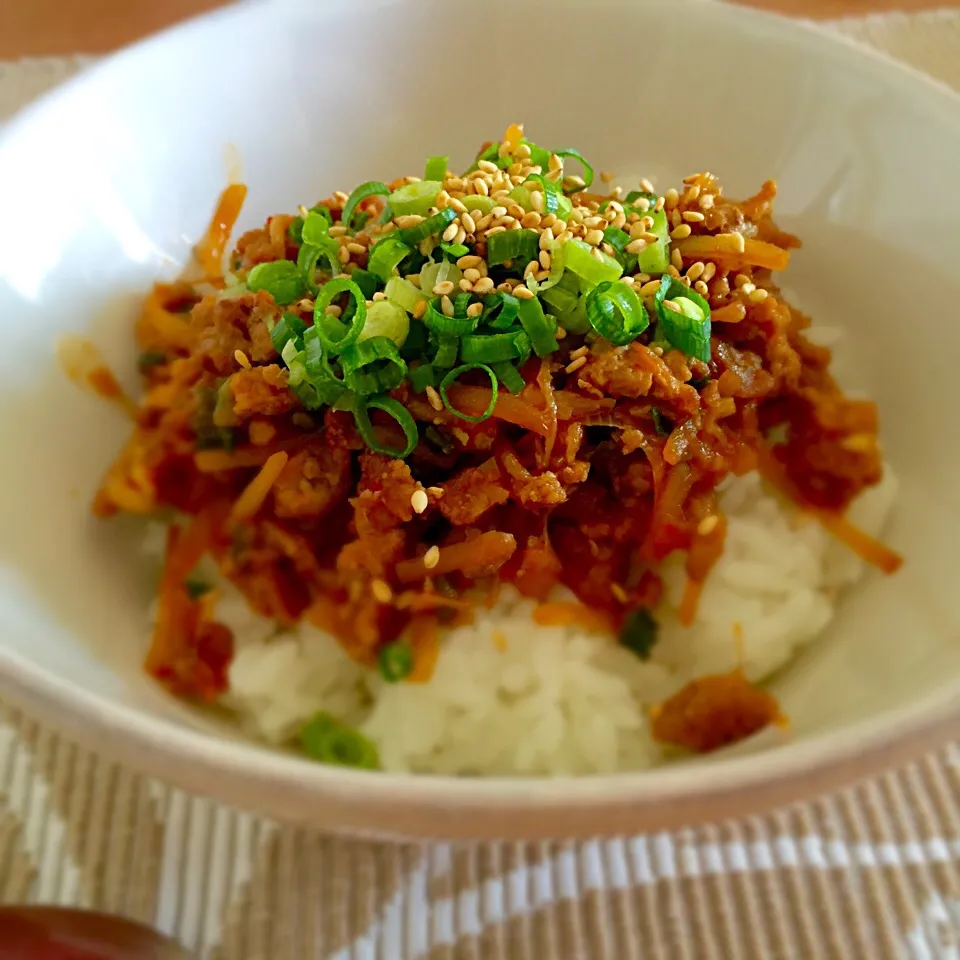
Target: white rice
[{"x": 560, "y": 700}]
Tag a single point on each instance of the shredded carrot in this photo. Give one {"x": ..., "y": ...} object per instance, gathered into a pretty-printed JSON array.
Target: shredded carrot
[
  {"x": 868, "y": 548},
  {"x": 482, "y": 555},
  {"x": 735, "y": 251},
  {"x": 691, "y": 599},
  {"x": 212, "y": 246},
  {"x": 733, "y": 312},
  {"x": 550, "y": 405},
  {"x": 160, "y": 326},
  {"x": 425, "y": 640},
  {"x": 474, "y": 400},
  {"x": 250, "y": 501},
  {"x": 564, "y": 614},
  {"x": 739, "y": 646},
  {"x": 513, "y": 136},
  {"x": 213, "y": 461},
  {"x": 83, "y": 364},
  {"x": 499, "y": 639}
]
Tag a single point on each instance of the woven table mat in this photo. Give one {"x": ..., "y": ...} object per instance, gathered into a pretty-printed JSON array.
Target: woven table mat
[{"x": 870, "y": 872}]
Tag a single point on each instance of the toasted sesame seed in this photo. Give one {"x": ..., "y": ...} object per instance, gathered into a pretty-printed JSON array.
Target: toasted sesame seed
[
  {"x": 672, "y": 271},
  {"x": 333, "y": 311},
  {"x": 707, "y": 525},
  {"x": 450, "y": 232},
  {"x": 637, "y": 246},
  {"x": 472, "y": 274},
  {"x": 574, "y": 182},
  {"x": 483, "y": 285},
  {"x": 546, "y": 239},
  {"x": 671, "y": 198},
  {"x": 530, "y": 220},
  {"x": 681, "y": 232},
  {"x": 741, "y": 279},
  {"x": 344, "y": 255},
  {"x": 536, "y": 200},
  {"x": 606, "y": 176},
  {"x": 675, "y": 218},
  {"x": 548, "y": 221},
  {"x": 545, "y": 259},
  {"x": 619, "y": 594},
  {"x": 487, "y": 166},
  {"x": 695, "y": 270},
  {"x": 693, "y": 216},
  {"x": 561, "y": 334},
  {"x": 522, "y": 293},
  {"x": 381, "y": 591},
  {"x": 469, "y": 224},
  {"x": 500, "y": 228},
  {"x": 475, "y": 309},
  {"x": 576, "y": 365},
  {"x": 670, "y": 305},
  {"x": 648, "y": 237},
  {"x": 692, "y": 193},
  {"x": 592, "y": 222},
  {"x": 443, "y": 288},
  {"x": 676, "y": 259},
  {"x": 435, "y": 401},
  {"x": 242, "y": 359},
  {"x": 579, "y": 352},
  {"x": 446, "y": 306},
  {"x": 709, "y": 271},
  {"x": 466, "y": 286},
  {"x": 420, "y": 309},
  {"x": 650, "y": 288},
  {"x": 759, "y": 295},
  {"x": 594, "y": 237},
  {"x": 432, "y": 557},
  {"x": 407, "y": 220},
  {"x": 516, "y": 211},
  {"x": 457, "y": 205},
  {"x": 531, "y": 268},
  {"x": 464, "y": 263},
  {"x": 658, "y": 206},
  {"x": 481, "y": 188},
  {"x": 646, "y": 186},
  {"x": 702, "y": 288},
  {"x": 558, "y": 226},
  {"x": 379, "y": 295},
  {"x": 515, "y": 169}
]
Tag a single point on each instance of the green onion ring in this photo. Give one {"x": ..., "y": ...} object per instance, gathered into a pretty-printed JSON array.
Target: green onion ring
[
  {"x": 396, "y": 410},
  {"x": 451, "y": 378},
  {"x": 323, "y": 323}
]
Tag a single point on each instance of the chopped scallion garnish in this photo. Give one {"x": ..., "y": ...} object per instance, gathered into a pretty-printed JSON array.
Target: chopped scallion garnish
[
  {"x": 416, "y": 197},
  {"x": 282, "y": 279},
  {"x": 587, "y": 169},
  {"x": 520, "y": 245},
  {"x": 373, "y": 366},
  {"x": 591, "y": 269},
  {"x": 429, "y": 227},
  {"x": 395, "y": 661},
  {"x": 541, "y": 328},
  {"x": 687, "y": 328},
  {"x": 333, "y": 335},
  {"x": 639, "y": 633},
  {"x": 371, "y": 188},
  {"x": 451, "y": 378},
  {"x": 436, "y": 168},
  {"x": 396, "y": 411},
  {"x": 616, "y": 312},
  {"x": 326, "y": 739},
  {"x": 385, "y": 256},
  {"x": 492, "y": 348}
]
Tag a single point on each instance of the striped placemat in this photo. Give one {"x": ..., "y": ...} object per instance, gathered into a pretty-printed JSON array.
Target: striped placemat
[{"x": 870, "y": 872}]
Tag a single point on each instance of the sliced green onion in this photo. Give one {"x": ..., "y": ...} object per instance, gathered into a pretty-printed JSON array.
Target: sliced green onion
[
  {"x": 295, "y": 230},
  {"x": 404, "y": 294},
  {"x": 634, "y": 195},
  {"x": 587, "y": 169},
  {"x": 288, "y": 327},
  {"x": 452, "y": 377},
  {"x": 421, "y": 377},
  {"x": 639, "y": 633},
  {"x": 660, "y": 423},
  {"x": 309, "y": 255},
  {"x": 386, "y": 319},
  {"x": 371, "y": 188},
  {"x": 282, "y": 279},
  {"x": 591, "y": 269},
  {"x": 540, "y": 327},
  {"x": 433, "y": 273},
  {"x": 564, "y": 208},
  {"x": 688, "y": 330},
  {"x": 326, "y": 739},
  {"x": 196, "y": 587},
  {"x": 509, "y": 376},
  {"x": 443, "y": 325},
  {"x": 446, "y": 355},
  {"x": 385, "y": 255},
  {"x": 522, "y": 245},
  {"x": 151, "y": 358},
  {"x": 369, "y": 283},
  {"x": 395, "y": 661},
  {"x": 509, "y": 308},
  {"x": 520, "y": 194},
  {"x": 436, "y": 168},
  {"x": 330, "y": 331},
  {"x": 431, "y": 226},
  {"x": 539, "y": 156},
  {"x": 655, "y": 257},
  {"x": 557, "y": 263},
  {"x": 454, "y": 250},
  {"x": 398, "y": 412},
  {"x": 460, "y": 303},
  {"x": 491, "y": 348},
  {"x": 619, "y": 240},
  {"x": 373, "y": 366},
  {"x": 616, "y": 312},
  {"x": 475, "y": 203},
  {"x": 551, "y": 192},
  {"x": 316, "y": 227},
  {"x": 416, "y": 197}
]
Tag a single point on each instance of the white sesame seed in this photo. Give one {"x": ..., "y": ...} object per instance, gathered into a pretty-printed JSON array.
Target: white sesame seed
[
  {"x": 498, "y": 212},
  {"x": 536, "y": 200},
  {"x": 469, "y": 224},
  {"x": 707, "y": 525},
  {"x": 407, "y": 220},
  {"x": 709, "y": 271},
  {"x": 693, "y": 216},
  {"x": 488, "y": 166},
  {"x": 579, "y": 352},
  {"x": 759, "y": 295},
  {"x": 594, "y": 237},
  {"x": 475, "y": 309},
  {"x": 420, "y": 309},
  {"x": 681, "y": 232},
  {"x": 446, "y": 306},
  {"x": 675, "y": 218},
  {"x": 546, "y": 239},
  {"x": 450, "y": 232},
  {"x": 457, "y": 205},
  {"x": 464, "y": 263},
  {"x": 591, "y": 222},
  {"x": 483, "y": 285},
  {"x": 381, "y": 591},
  {"x": 344, "y": 255},
  {"x": 676, "y": 259},
  {"x": 522, "y": 293},
  {"x": 646, "y": 186},
  {"x": 695, "y": 270},
  {"x": 466, "y": 286},
  {"x": 419, "y": 501},
  {"x": 545, "y": 259},
  {"x": 443, "y": 288},
  {"x": 333, "y": 310},
  {"x": 576, "y": 365},
  {"x": 531, "y": 269},
  {"x": 379, "y": 295},
  {"x": 702, "y": 288},
  {"x": 481, "y": 188},
  {"x": 435, "y": 400},
  {"x": 670, "y": 305},
  {"x": 671, "y": 198},
  {"x": 461, "y": 236},
  {"x": 636, "y": 246},
  {"x": 497, "y": 229},
  {"x": 432, "y": 557}
]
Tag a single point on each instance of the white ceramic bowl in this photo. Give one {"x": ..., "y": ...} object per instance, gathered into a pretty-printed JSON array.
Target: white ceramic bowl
[{"x": 105, "y": 185}]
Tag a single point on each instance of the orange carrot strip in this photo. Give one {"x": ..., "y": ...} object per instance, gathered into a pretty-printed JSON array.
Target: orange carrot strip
[
  {"x": 158, "y": 323},
  {"x": 478, "y": 557},
  {"x": 213, "y": 245},
  {"x": 425, "y": 640},
  {"x": 251, "y": 500},
  {"x": 733, "y": 312},
  {"x": 861, "y": 543},
  {"x": 213, "y": 461},
  {"x": 550, "y": 405},
  {"x": 474, "y": 400},
  {"x": 564, "y": 614},
  {"x": 735, "y": 251},
  {"x": 691, "y": 599}
]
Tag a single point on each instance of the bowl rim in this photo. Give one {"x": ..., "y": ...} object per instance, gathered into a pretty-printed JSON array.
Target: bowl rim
[{"x": 731, "y": 785}]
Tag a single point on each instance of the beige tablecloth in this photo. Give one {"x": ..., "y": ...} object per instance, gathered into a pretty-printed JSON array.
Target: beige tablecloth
[{"x": 873, "y": 872}]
